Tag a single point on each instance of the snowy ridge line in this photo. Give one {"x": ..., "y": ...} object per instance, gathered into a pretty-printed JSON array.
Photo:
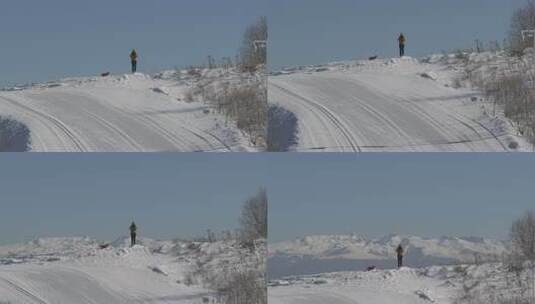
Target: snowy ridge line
[
  {"x": 331, "y": 116},
  {"x": 81, "y": 147}
]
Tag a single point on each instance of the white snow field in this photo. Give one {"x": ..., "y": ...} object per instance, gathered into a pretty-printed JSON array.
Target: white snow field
[
  {"x": 124, "y": 113},
  {"x": 389, "y": 105},
  {"x": 436, "y": 284},
  {"x": 81, "y": 270}
]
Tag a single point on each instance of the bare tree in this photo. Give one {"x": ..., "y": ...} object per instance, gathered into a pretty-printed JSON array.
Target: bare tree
[
  {"x": 523, "y": 19},
  {"x": 253, "y": 54},
  {"x": 523, "y": 241},
  {"x": 254, "y": 219}
]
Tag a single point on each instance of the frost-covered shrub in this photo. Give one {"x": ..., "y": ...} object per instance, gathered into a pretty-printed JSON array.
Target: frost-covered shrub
[
  {"x": 245, "y": 103},
  {"x": 244, "y": 287}
]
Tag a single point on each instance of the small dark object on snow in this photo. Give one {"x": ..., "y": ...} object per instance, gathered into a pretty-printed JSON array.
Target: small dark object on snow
[
  {"x": 371, "y": 268},
  {"x": 105, "y": 74},
  {"x": 206, "y": 111},
  {"x": 473, "y": 98},
  {"x": 372, "y": 58},
  {"x": 103, "y": 246}
]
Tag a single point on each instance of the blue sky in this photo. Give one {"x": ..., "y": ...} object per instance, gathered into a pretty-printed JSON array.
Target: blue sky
[
  {"x": 44, "y": 40},
  {"x": 182, "y": 195},
  {"x": 97, "y": 195},
  {"x": 318, "y": 31},
  {"x": 429, "y": 195}
]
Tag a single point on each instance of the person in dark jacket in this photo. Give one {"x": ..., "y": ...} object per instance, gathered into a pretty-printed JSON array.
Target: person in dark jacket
[
  {"x": 400, "y": 253},
  {"x": 401, "y": 40},
  {"x": 133, "y": 232},
  {"x": 133, "y": 58}
]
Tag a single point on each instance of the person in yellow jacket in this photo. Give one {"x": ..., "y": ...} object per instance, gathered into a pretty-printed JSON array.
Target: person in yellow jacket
[
  {"x": 402, "y": 41},
  {"x": 133, "y": 58}
]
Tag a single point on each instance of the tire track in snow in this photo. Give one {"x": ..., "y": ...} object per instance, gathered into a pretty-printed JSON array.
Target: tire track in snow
[
  {"x": 329, "y": 115},
  {"x": 455, "y": 115},
  {"x": 24, "y": 292},
  {"x": 80, "y": 146},
  {"x": 440, "y": 127},
  {"x": 134, "y": 144},
  {"x": 454, "y": 131}
]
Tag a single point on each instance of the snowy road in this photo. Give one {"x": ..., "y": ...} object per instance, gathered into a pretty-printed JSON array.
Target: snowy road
[
  {"x": 121, "y": 114},
  {"x": 382, "y": 108}
]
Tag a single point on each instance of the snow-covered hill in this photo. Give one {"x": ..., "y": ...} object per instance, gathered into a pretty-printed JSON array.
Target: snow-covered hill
[
  {"x": 390, "y": 105},
  {"x": 325, "y": 253},
  {"x": 124, "y": 113},
  {"x": 83, "y": 270},
  {"x": 436, "y": 284}
]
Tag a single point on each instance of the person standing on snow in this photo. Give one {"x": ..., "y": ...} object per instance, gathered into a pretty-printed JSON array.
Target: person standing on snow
[
  {"x": 133, "y": 58},
  {"x": 133, "y": 231},
  {"x": 401, "y": 40},
  {"x": 400, "y": 253}
]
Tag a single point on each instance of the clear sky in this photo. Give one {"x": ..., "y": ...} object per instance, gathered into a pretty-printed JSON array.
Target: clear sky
[
  {"x": 428, "y": 195},
  {"x": 319, "y": 31},
  {"x": 97, "y": 195},
  {"x": 182, "y": 195},
  {"x": 44, "y": 40}
]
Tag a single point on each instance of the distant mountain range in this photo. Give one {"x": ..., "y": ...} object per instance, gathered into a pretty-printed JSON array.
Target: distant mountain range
[{"x": 325, "y": 253}]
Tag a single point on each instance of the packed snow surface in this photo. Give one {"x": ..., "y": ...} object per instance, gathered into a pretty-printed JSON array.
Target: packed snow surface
[
  {"x": 389, "y": 105},
  {"x": 82, "y": 270},
  {"x": 123, "y": 113}
]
